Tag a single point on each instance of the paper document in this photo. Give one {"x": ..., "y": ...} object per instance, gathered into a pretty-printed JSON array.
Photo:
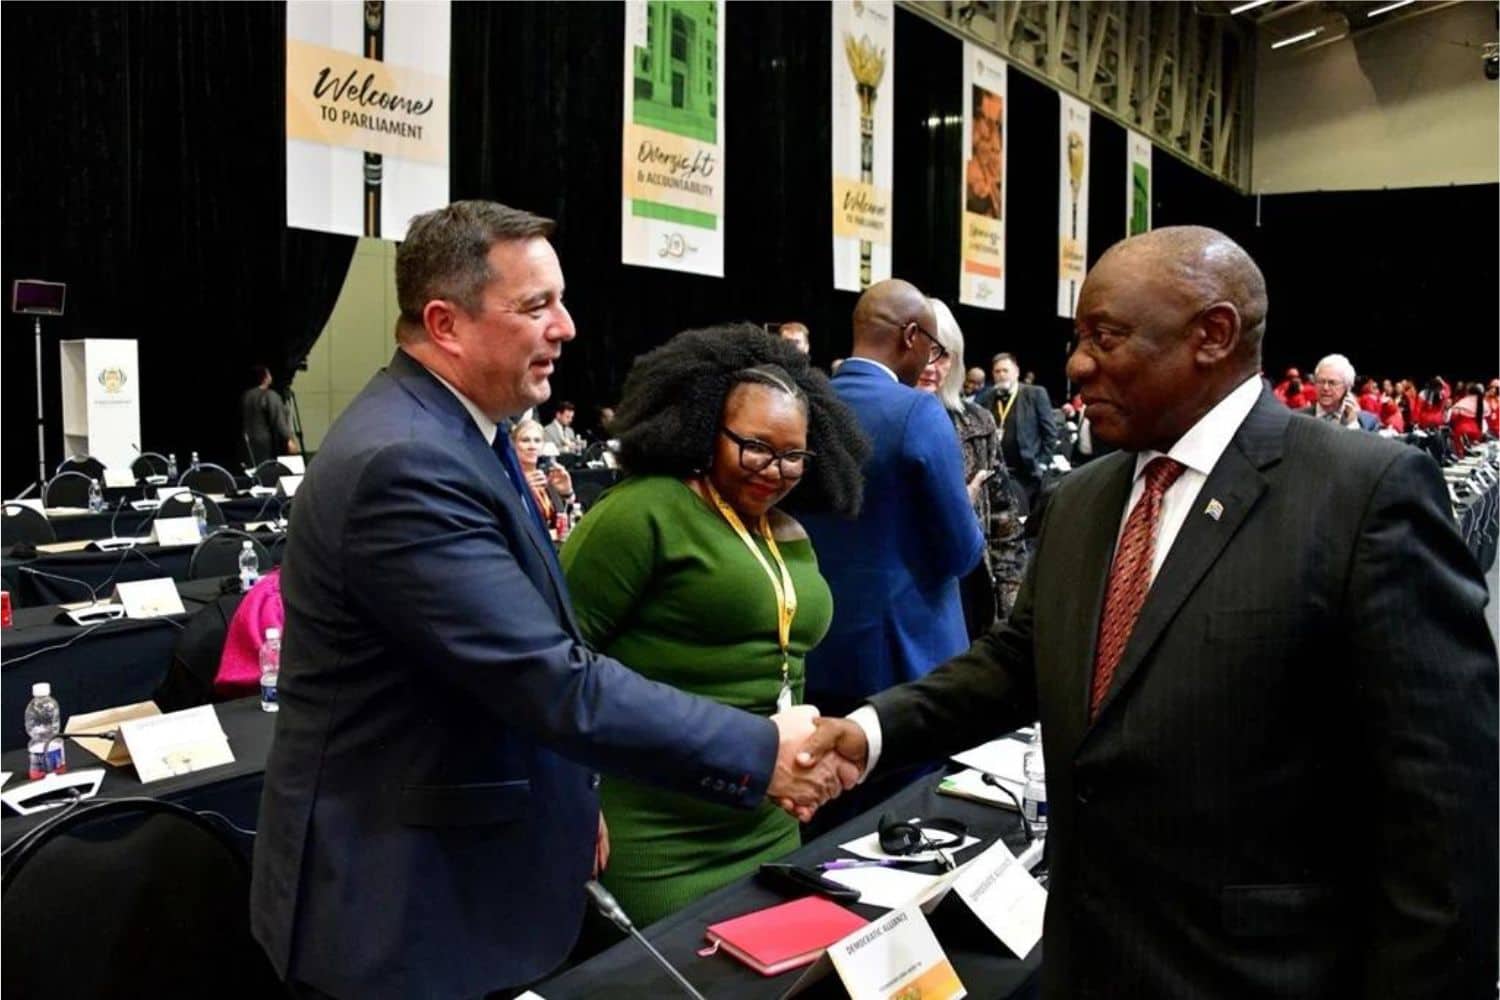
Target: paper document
[
  {"x": 1004, "y": 758},
  {"x": 886, "y": 887},
  {"x": 869, "y": 846},
  {"x": 971, "y": 785}
]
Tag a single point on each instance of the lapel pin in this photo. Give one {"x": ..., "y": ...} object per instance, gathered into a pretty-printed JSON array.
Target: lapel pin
[{"x": 1214, "y": 509}]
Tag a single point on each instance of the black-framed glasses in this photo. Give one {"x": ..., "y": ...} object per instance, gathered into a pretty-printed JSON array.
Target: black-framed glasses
[
  {"x": 937, "y": 352},
  {"x": 757, "y": 456}
]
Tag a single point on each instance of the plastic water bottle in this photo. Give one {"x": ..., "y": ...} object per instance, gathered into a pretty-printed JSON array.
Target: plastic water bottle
[
  {"x": 1034, "y": 798},
  {"x": 96, "y": 497},
  {"x": 194, "y": 463},
  {"x": 575, "y": 514},
  {"x": 172, "y": 468},
  {"x": 249, "y": 566},
  {"x": 44, "y": 745},
  {"x": 200, "y": 515},
  {"x": 270, "y": 670}
]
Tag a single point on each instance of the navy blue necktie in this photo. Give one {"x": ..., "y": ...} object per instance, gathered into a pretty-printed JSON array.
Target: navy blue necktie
[{"x": 512, "y": 467}]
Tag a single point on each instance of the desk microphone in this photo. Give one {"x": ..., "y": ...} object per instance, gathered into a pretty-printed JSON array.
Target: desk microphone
[{"x": 610, "y": 907}]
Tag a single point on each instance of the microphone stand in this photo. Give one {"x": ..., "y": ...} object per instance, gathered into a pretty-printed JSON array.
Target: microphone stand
[{"x": 606, "y": 903}]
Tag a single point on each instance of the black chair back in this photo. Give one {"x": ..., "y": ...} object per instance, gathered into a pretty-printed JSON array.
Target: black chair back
[
  {"x": 195, "y": 658},
  {"x": 19, "y": 524},
  {"x": 208, "y": 478},
  {"x": 148, "y": 464},
  {"x": 181, "y": 505},
  {"x": 86, "y": 464},
  {"x": 219, "y": 555},
  {"x": 268, "y": 472},
  {"x": 130, "y": 898},
  {"x": 67, "y": 489}
]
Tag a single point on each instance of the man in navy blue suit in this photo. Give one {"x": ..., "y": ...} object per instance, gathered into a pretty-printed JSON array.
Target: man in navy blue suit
[
  {"x": 894, "y": 571},
  {"x": 430, "y": 810}
]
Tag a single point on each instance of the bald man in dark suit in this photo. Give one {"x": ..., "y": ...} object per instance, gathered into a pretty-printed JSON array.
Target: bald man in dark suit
[{"x": 1258, "y": 650}]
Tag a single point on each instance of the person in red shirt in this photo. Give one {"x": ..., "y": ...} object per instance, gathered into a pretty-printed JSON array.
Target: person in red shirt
[
  {"x": 1280, "y": 392},
  {"x": 1492, "y": 408},
  {"x": 1391, "y": 418},
  {"x": 1429, "y": 408},
  {"x": 1466, "y": 417},
  {"x": 1369, "y": 396}
]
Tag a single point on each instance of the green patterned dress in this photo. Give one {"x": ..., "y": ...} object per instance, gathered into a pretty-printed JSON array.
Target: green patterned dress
[{"x": 662, "y": 583}]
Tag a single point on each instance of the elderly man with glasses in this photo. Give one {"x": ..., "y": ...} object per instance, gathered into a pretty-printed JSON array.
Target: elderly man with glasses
[
  {"x": 1333, "y": 378},
  {"x": 894, "y": 570}
]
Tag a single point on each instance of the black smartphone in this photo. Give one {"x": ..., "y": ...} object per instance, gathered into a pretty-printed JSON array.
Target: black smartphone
[
  {"x": 799, "y": 880},
  {"x": 545, "y": 462}
]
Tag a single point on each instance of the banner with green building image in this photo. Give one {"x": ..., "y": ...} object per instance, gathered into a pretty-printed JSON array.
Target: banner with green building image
[{"x": 672, "y": 204}]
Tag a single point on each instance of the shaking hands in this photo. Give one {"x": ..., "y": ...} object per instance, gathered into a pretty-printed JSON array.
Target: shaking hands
[{"x": 816, "y": 760}]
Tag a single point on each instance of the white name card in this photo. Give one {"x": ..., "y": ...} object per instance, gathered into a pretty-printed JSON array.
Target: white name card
[
  {"x": 999, "y": 890},
  {"x": 150, "y": 598},
  {"x": 896, "y": 956},
  {"x": 175, "y": 531},
  {"x": 294, "y": 463},
  {"x": 287, "y": 485},
  {"x": 168, "y": 492},
  {"x": 119, "y": 478},
  {"x": 166, "y": 746}
]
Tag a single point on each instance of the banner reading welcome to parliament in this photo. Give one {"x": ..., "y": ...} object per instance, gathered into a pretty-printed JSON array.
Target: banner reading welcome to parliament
[
  {"x": 367, "y": 111},
  {"x": 672, "y": 169},
  {"x": 981, "y": 279},
  {"x": 1072, "y": 200},
  {"x": 864, "y": 56}
]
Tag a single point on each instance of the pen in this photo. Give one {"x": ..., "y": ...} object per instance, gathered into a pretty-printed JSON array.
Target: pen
[{"x": 842, "y": 863}]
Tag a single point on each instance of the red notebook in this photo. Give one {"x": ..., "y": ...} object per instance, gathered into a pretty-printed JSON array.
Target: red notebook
[{"x": 786, "y": 936}]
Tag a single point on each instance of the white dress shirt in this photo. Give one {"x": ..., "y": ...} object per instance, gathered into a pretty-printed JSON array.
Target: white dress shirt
[{"x": 1199, "y": 450}]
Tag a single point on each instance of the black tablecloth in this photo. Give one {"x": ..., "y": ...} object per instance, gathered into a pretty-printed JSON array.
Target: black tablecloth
[
  {"x": 985, "y": 966},
  {"x": 76, "y": 576},
  {"x": 232, "y": 789},
  {"x": 117, "y": 663}
]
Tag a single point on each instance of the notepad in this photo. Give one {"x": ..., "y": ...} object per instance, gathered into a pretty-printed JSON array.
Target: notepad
[{"x": 786, "y": 936}]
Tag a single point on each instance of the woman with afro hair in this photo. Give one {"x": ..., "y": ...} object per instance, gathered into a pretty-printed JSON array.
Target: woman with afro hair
[{"x": 688, "y": 572}]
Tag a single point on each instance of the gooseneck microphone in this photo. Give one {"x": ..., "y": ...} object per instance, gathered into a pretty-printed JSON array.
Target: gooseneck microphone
[{"x": 610, "y": 907}]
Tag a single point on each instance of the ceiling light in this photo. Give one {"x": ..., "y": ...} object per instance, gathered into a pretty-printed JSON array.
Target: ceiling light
[
  {"x": 1388, "y": 7},
  {"x": 1248, "y": 6},
  {"x": 1294, "y": 39}
]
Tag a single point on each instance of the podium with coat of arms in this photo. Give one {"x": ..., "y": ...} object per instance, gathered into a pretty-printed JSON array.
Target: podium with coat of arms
[{"x": 101, "y": 400}]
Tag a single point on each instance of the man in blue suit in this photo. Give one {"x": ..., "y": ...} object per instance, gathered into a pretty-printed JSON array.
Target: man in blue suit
[
  {"x": 894, "y": 571},
  {"x": 430, "y": 811}
]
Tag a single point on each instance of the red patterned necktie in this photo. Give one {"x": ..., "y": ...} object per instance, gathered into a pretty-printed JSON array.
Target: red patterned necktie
[{"x": 1130, "y": 576}]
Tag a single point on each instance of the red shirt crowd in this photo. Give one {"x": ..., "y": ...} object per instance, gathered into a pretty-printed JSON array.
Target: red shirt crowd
[{"x": 1471, "y": 413}]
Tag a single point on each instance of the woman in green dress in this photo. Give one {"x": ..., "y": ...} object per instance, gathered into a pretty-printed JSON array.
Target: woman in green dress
[{"x": 687, "y": 572}]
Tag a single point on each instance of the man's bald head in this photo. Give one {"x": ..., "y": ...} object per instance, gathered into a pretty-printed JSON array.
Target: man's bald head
[
  {"x": 1201, "y": 265},
  {"x": 894, "y": 324},
  {"x": 1169, "y": 323}
]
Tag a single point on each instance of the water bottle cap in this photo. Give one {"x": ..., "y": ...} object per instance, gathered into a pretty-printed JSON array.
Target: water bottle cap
[
  {"x": 273, "y": 633},
  {"x": 246, "y": 544},
  {"x": 41, "y": 690}
]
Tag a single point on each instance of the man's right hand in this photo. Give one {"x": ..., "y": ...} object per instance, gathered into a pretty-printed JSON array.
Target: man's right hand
[
  {"x": 801, "y": 788},
  {"x": 844, "y": 739}
]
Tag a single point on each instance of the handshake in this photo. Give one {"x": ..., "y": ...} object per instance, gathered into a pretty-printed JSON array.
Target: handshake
[{"x": 816, "y": 759}]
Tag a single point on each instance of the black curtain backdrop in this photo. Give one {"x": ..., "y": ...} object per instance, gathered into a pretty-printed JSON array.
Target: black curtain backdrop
[{"x": 145, "y": 166}]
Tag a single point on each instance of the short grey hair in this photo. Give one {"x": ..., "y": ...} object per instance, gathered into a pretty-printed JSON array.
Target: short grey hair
[
  {"x": 446, "y": 254},
  {"x": 951, "y": 392},
  {"x": 1340, "y": 365}
]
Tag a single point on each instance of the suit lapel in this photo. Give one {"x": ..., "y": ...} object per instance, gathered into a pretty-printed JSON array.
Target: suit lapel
[
  {"x": 1237, "y": 484},
  {"x": 436, "y": 398}
]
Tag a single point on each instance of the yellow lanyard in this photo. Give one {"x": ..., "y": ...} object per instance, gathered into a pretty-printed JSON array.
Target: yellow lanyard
[
  {"x": 786, "y": 591},
  {"x": 1004, "y": 408}
]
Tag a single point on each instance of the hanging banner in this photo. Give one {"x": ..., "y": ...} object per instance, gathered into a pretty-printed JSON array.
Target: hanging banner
[
  {"x": 864, "y": 57},
  {"x": 672, "y": 170},
  {"x": 367, "y": 112},
  {"x": 981, "y": 279},
  {"x": 1137, "y": 183},
  {"x": 1072, "y": 200}
]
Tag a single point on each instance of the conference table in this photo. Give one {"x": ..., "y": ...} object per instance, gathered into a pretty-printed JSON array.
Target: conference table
[
  {"x": 986, "y": 968},
  {"x": 62, "y": 577},
  {"x": 115, "y": 663},
  {"x": 231, "y": 789},
  {"x": 76, "y": 524}
]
